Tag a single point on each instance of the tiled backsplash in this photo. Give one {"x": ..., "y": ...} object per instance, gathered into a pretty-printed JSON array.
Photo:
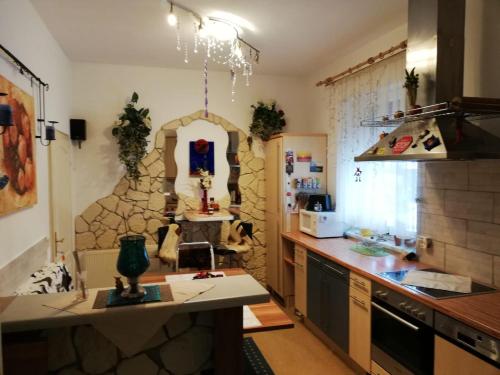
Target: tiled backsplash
[{"x": 460, "y": 210}]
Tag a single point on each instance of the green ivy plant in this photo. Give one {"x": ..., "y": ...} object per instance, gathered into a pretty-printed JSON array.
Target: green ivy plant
[
  {"x": 267, "y": 120},
  {"x": 131, "y": 130}
]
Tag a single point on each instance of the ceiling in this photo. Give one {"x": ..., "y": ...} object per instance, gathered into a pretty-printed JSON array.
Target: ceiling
[{"x": 295, "y": 36}]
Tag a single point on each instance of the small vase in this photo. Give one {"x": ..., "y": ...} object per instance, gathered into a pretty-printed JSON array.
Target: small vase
[
  {"x": 132, "y": 262},
  {"x": 204, "y": 201},
  {"x": 412, "y": 96}
]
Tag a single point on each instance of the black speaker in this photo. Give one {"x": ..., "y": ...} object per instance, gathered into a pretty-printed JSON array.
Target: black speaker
[{"x": 77, "y": 130}]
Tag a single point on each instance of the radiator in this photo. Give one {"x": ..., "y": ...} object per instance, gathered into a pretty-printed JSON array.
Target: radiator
[{"x": 101, "y": 266}]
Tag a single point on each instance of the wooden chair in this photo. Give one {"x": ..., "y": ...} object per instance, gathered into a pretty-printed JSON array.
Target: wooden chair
[{"x": 226, "y": 251}]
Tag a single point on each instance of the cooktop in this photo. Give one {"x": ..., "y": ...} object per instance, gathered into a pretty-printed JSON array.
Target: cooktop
[{"x": 398, "y": 276}]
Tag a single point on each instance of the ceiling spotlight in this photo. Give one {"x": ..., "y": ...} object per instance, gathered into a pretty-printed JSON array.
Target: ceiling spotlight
[{"x": 171, "y": 17}]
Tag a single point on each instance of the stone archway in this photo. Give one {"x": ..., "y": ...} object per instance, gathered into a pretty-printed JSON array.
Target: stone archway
[{"x": 101, "y": 224}]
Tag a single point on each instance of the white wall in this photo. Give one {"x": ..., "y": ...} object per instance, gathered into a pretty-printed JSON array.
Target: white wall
[
  {"x": 100, "y": 91},
  {"x": 318, "y": 97},
  {"x": 24, "y": 34}
]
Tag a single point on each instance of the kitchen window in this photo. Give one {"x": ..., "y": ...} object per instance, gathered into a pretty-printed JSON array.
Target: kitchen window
[{"x": 381, "y": 195}]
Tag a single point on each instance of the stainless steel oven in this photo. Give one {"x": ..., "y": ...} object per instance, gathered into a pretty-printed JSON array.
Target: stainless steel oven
[{"x": 402, "y": 333}]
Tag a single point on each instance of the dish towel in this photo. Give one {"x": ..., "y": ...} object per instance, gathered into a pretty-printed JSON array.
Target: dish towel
[
  {"x": 130, "y": 327},
  {"x": 436, "y": 280}
]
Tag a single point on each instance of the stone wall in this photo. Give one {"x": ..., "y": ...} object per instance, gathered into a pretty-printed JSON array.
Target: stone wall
[
  {"x": 101, "y": 225},
  {"x": 184, "y": 345}
]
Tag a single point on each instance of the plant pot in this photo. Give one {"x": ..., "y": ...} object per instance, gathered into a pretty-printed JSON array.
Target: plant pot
[{"x": 132, "y": 262}]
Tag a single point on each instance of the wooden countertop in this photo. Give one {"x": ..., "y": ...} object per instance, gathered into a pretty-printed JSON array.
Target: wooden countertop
[
  {"x": 269, "y": 313},
  {"x": 479, "y": 311}
]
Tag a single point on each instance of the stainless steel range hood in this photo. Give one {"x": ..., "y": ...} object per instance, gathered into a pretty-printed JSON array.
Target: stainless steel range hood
[{"x": 457, "y": 128}]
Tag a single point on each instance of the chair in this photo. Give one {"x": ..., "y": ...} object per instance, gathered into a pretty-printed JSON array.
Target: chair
[
  {"x": 232, "y": 250},
  {"x": 199, "y": 255}
]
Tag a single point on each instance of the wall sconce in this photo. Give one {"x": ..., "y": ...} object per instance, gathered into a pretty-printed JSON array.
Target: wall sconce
[
  {"x": 5, "y": 115},
  {"x": 50, "y": 130}
]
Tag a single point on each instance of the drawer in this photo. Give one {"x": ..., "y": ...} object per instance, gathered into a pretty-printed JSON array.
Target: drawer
[
  {"x": 300, "y": 255},
  {"x": 378, "y": 370},
  {"x": 360, "y": 283}
]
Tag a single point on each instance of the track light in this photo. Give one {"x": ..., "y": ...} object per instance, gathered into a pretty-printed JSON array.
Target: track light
[{"x": 171, "y": 17}]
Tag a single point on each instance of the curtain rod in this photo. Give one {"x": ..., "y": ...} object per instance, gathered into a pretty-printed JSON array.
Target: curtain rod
[
  {"x": 394, "y": 50},
  {"x": 23, "y": 68}
]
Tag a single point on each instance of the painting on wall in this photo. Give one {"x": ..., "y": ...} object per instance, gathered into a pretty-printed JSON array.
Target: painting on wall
[
  {"x": 201, "y": 156},
  {"x": 17, "y": 151}
]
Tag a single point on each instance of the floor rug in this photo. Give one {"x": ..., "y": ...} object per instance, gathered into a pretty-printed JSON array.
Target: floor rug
[{"x": 253, "y": 361}]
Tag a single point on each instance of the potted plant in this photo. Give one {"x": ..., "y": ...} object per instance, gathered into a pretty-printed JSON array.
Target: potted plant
[
  {"x": 131, "y": 130},
  {"x": 411, "y": 86},
  {"x": 267, "y": 120}
]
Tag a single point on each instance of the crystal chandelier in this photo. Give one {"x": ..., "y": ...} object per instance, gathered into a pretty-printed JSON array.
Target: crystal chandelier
[{"x": 215, "y": 39}]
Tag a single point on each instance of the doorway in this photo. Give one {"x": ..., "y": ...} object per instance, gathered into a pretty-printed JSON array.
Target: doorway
[{"x": 61, "y": 203}]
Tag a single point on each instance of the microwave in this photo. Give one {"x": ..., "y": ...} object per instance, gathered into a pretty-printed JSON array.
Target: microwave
[{"x": 321, "y": 224}]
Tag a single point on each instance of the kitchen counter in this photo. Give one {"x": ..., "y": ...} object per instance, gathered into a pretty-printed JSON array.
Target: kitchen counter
[
  {"x": 479, "y": 311},
  {"x": 32, "y": 312}
]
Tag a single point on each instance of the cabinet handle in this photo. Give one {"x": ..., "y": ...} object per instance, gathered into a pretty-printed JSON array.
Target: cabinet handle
[
  {"x": 358, "y": 301},
  {"x": 394, "y": 316},
  {"x": 340, "y": 273},
  {"x": 361, "y": 284}
]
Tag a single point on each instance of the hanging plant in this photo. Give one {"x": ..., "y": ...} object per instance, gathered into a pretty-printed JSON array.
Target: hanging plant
[
  {"x": 131, "y": 130},
  {"x": 267, "y": 120}
]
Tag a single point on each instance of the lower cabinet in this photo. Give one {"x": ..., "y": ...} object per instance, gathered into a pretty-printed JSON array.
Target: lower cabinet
[
  {"x": 360, "y": 328},
  {"x": 300, "y": 271},
  {"x": 449, "y": 359},
  {"x": 328, "y": 298}
]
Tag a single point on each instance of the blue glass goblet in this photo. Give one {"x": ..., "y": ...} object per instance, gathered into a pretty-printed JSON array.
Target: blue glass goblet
[{"x": 132, "y": 262}]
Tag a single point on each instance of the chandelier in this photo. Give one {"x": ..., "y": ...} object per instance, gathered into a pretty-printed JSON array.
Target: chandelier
[{"x": 215, "y": 39}]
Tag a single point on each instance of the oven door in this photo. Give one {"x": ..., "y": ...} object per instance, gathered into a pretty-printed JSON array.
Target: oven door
[{"x": 400, "y": 343}]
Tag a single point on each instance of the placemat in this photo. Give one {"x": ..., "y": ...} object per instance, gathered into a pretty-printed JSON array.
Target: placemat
[{"x": 101, "y": 299}]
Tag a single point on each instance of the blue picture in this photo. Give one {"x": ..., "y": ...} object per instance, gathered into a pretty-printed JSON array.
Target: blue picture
[{"x": 201, "y": 156}]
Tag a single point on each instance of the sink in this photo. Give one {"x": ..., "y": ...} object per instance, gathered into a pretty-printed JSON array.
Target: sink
[{"x": 370, "y": 250}]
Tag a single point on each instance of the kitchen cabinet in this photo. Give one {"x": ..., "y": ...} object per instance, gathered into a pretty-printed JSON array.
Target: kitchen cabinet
[
  {"x": 378, "y": 370},
  {"x": 449, "y": 359},
  {"x": 280, "y": 197},
  {"x": 360, "y": 322},
  {"x": 328, "y": 298},
  {"x": 301, "y": 280}
]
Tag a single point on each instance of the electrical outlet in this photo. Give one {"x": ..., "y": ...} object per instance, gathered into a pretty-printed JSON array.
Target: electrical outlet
[{"x": 423, "y": 243}]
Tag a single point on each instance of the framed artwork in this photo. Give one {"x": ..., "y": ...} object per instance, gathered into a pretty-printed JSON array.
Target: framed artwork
[
  {"x": 17, "y": 151},
  {"x": 201, "y": 156}
]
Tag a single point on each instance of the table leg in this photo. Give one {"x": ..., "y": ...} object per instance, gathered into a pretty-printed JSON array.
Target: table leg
[{"x": 228, "y": 341}]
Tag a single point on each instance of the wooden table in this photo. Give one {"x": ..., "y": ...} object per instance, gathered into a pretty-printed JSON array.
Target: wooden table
[
  {"x": 269, "y": 314},
  {"x": 197, "y": 216}
]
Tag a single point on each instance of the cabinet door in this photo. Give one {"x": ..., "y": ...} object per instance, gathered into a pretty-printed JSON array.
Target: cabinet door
[
  {"x": 359, "y": 328},
  {"x": 449, "y": 359},
  {"x": 301, "y": 279},
  {"x": 314, "y": 307},
  {"x": 336, "y": 300},
  {"x": 273, "y": 214}
]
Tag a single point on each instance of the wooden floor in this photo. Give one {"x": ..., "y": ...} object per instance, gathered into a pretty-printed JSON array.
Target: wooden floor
[{"x": 298, "y": 351}]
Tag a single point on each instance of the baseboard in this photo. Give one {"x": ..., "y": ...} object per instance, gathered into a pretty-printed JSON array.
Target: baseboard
[{"x": 18, "y": 270}]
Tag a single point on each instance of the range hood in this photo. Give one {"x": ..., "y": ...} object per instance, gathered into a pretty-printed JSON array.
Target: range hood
[{"x": 448, "y": 126}]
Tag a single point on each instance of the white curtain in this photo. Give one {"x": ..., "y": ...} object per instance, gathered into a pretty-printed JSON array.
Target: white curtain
[{"x": 384, "y": 199}]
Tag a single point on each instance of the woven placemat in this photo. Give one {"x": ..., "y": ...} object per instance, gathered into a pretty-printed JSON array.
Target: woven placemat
[{"x": 101, "y": 298}]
